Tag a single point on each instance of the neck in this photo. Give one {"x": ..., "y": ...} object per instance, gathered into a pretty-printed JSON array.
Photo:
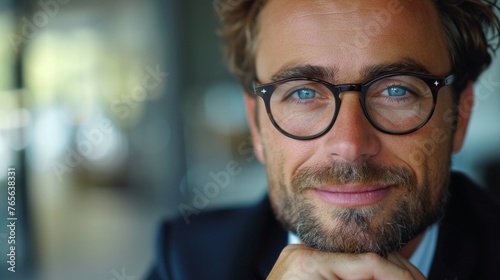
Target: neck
[{"x": 408, "y": 250}]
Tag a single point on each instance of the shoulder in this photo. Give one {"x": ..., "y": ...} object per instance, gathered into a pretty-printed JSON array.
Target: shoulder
[
  {"x": 214, "y": 226},
  {"x": 217, "y": 243},
  {"x": 468, "y": 242},
  {"x": 474, "y": 202}
]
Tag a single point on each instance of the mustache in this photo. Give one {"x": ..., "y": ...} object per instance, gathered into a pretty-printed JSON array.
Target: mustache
[{"x": 341, "y": 173}]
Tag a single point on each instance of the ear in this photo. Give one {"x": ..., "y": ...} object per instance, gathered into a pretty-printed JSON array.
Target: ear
[
  {"x": 251, "y": 108},
  {"x": 465, "y": 105}
]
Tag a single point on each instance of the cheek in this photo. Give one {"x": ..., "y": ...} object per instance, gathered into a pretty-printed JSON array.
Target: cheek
[
  {"x": 433, "y": 142},
  {"x": 428, "y": 150},
  {"x": 282, "y": 155},
  {"x": 432, "y": 148},
  {"x": 278, "y": 149}
]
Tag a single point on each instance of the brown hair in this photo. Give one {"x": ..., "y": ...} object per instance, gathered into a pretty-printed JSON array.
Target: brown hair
[{"x": 467, "y": 24}]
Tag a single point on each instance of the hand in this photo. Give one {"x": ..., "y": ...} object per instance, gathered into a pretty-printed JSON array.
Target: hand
[{"x": 299, "y": 262}]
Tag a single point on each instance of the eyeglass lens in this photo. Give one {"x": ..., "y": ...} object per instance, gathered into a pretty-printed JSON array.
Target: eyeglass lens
[{"x": 397, "y": 103}]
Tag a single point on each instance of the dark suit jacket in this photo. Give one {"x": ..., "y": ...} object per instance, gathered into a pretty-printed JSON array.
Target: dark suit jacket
[{"x": 245, "y": 243}]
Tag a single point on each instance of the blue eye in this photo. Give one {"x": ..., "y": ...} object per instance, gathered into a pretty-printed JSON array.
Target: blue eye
[
  {"x": 305, "y": 93},
  {"x": 396, "y": 91}
]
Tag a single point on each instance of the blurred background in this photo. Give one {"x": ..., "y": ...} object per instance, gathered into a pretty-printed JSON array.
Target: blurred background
[{"x": 115, "y": 113}]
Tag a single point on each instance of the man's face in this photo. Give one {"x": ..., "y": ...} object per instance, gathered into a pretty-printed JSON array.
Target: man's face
[{"x": 355, "y": 189}]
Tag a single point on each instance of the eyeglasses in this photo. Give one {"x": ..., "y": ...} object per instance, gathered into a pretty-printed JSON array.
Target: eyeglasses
[{"x": 397, "y": 103}]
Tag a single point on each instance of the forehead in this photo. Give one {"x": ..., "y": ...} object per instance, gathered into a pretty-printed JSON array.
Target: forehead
[{"x": 349, "y": 35}]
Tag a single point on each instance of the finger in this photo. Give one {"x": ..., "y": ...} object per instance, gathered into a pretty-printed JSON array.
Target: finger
[
  {"x": 302, "y": 262},
  {"x": 397, "y": 259},
  {"x": 366, "y": 266}
]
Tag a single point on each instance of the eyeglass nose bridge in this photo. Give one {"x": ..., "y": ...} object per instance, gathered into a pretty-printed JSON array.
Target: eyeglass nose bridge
[
  {"x": 349, "y": 87},
  {"x": 338, "y": 89}
]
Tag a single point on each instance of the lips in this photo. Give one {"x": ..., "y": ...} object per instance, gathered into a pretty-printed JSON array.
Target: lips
[{"x": 353, "y": 195}]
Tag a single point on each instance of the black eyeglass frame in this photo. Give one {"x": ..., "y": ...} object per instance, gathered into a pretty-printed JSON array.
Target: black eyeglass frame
[{"x": 433, "y": 82}]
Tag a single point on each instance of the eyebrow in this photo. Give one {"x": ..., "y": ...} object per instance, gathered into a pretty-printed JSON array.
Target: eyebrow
[
  {"x": 367, "y": 74},
  {"x": 404, "y": 65},
  {"x": 308, "y": 70}
]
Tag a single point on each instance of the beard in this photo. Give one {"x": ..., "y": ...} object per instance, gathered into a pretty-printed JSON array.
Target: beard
[{"x": 381, "y": 228}]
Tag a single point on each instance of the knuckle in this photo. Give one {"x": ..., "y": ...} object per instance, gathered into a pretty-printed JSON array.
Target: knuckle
[
  {"x": 297, "y": 251},
  {"x": 292, "y": 248},
  {"x": 407, "y": 274},
  {"x": 372, "y": 258},
  {"x": 303, "y": 258},
  {"x": 295, "y": 254}
]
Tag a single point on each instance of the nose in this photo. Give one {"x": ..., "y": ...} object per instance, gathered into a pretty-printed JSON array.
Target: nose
[{"x": 352, "y": 137}]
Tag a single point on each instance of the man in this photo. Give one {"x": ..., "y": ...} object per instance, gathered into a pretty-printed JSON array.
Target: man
[{"x": 342, "y": 98}]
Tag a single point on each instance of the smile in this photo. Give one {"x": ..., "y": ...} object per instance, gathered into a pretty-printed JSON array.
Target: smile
[{"x": 353, "y": 196}]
